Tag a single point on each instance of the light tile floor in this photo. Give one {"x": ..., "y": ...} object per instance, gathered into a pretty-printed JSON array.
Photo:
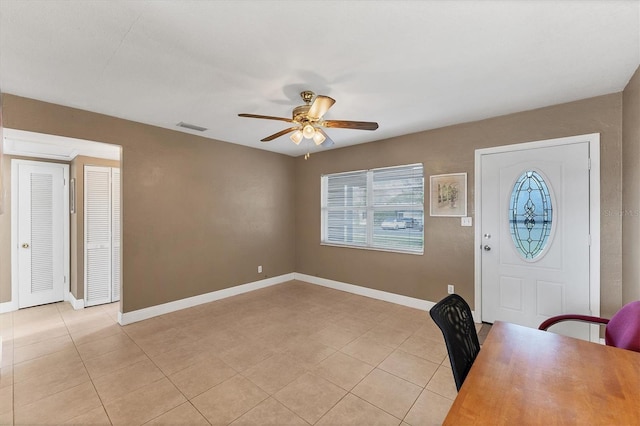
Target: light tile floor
[{"x": 291, "y": 354}]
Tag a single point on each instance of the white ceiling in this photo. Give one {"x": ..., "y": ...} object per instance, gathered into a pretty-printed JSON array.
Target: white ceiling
[{"x": 409, "y": 65}]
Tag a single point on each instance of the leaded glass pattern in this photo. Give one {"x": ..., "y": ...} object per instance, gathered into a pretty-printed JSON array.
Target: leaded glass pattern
[{"x": 530, "y": 214}]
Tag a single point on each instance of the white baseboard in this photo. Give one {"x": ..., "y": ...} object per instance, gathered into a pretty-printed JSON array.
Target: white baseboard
[
  {"x": 77, "y": 304},
  {"x": 153, "y": 311},
  {"x": 165, "y": 308},
  {"x": 411, "y": 302},
  {"x": 68, "y": 297},
  {"x": 398, "y": 299},
  {"x": 8, "y": 307}
]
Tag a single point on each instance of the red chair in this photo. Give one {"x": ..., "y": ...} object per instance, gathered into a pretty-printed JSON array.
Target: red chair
[{"x": 622, "y": 330}]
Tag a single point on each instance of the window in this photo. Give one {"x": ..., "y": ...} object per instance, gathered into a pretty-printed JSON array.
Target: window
[
  {"x": 530, "y": 214},
  {"x": 380, "y": 209}
]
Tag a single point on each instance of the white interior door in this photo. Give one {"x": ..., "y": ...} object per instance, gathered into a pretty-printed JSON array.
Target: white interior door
[
  {"x": 535, "y": 235},
  {"x": 98, "y": 235},
  {"x": 42, "y": 227}
]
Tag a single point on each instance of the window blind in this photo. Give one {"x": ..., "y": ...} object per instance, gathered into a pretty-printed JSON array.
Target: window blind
[{"x": 379, "y": 208}]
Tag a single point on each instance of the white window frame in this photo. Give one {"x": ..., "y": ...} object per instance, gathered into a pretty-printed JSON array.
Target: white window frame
[{"x": 370, "y": 209}]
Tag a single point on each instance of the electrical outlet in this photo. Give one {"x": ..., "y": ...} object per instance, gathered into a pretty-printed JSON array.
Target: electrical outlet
[
  {"x": 450, "y": 289},
  {"x": 260, "y": 269}
]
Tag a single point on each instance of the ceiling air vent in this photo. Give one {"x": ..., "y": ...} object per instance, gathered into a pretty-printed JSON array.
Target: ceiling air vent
[{"x": 191, "y": 126}]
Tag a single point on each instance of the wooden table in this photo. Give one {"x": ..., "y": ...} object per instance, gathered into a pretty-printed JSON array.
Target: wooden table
[{"x": 527, "y": 376}]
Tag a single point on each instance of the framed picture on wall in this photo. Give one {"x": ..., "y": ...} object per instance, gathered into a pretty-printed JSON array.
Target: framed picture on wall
[{"x": 449, "y": 195}]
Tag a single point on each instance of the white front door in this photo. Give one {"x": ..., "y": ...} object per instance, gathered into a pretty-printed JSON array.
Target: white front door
[
  {"x": 535, "y": 235},
  {"x": 41, "y": 198}
]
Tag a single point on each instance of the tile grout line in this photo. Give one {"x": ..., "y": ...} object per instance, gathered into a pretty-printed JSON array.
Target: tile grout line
[
  {"x": 381, "y": 369},
  {"x": 175, "y": 386},
  {"x": 243, "y": 373},
  {"x": 13, "y": 372},
  {"x": 349, "y": 392},
  {"x": 165, "y": 376},
  {"x": 86, "y": 370}
]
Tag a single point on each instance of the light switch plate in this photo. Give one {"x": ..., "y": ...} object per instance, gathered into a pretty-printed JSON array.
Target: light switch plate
[{"x": 466, "y": 221}]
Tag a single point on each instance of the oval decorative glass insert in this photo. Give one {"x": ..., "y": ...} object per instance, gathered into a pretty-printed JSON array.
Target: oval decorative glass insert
[{"x": 530, "y": 214}]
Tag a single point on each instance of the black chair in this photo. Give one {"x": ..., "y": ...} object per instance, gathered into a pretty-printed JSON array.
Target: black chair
[{"x": 453, "y": 315}]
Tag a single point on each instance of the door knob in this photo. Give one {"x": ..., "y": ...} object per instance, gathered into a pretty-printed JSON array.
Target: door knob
[
  {"x": 25, "y": 245},
  {"x": 487, "y": 248}
]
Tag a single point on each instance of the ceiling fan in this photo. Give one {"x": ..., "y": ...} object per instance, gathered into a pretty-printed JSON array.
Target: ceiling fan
[{"x": 308, "y": 121}]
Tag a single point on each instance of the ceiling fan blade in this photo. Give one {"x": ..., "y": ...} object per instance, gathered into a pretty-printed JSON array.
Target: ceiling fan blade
[
  {"x": 328, "y": 142},
  {"x": 358, "y": 125},
  {"x": 277, "y": 135},
  {"x": 266, "y": 117},
  {"x": 320, "y": 106}
]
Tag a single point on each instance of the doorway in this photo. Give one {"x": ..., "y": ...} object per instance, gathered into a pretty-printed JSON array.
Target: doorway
[
  {"x": 537, "y": 234},
  {"x": 74, "y": 154}
]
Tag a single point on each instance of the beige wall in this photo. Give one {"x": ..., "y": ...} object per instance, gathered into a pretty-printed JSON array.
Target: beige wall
[
  {"x": 77, "y": 221},
  {"x": 631, "y": 190},
  {"x": 449, "y": 248},
  {"x": 198, "y": 215},
  {"x": 5, "y": 234}
]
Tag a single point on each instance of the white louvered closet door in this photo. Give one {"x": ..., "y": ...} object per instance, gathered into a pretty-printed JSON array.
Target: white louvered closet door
[
  {"x": 97, "y": 226},
  {"x": 116, "y": 237},
  {"x": 40, "y": 233}
]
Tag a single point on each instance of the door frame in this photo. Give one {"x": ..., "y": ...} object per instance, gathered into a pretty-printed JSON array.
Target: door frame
[
  {"x": 593, "y": 139},
  {"x": 15, "y": 291}
]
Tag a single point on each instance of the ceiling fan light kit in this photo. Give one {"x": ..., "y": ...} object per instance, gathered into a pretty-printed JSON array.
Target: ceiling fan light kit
[
  {"x": 308, "y": 131},
  {"x": 296, "y": 137},
  {"x": 318, "y": 137},
  {"x": 308, "y": 121}
]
